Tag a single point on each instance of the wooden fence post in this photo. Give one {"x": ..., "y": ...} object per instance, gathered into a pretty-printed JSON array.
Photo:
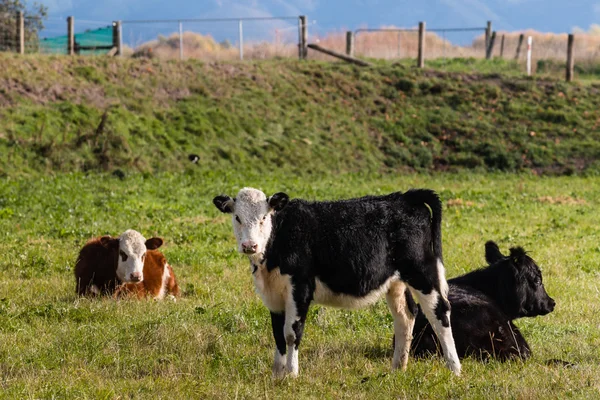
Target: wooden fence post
[
  {"x": 303, "y": 50},
  {"x": 570, "y": 58},
  {"x": 116, "y": 37},
  {"x": 421, "y": 55},
  {"x": 70, "y": 36},
  {"x": 488, "y": 33},
  {"x": 20, "y": 33},
  {"x": 521, "y": 38},
  {"x": 502, "y": 47},
  {"x": 490, "y": 49},
  {"x": 350, "y": 43}
]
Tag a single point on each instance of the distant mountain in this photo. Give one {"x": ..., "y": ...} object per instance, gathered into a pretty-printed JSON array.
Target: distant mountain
[{"x": 325, "y": 15}]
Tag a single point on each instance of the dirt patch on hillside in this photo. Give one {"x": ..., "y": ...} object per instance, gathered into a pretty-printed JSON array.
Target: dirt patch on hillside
[
  {"x": 463, "y": 76},
  {"x": 512, "y": 84},
  {"x": 12, "y": 89}
]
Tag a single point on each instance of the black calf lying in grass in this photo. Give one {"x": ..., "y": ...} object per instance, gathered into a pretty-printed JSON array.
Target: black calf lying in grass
[{"x": 484, "y": 303}]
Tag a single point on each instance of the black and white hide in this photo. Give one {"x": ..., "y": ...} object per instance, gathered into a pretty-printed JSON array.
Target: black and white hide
[{"x": 346, "y": 254}]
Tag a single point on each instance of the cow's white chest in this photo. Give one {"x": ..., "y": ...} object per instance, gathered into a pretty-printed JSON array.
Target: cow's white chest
[
  {"x": 324, "y": 295},
  {"x": 272, "y": 287}
]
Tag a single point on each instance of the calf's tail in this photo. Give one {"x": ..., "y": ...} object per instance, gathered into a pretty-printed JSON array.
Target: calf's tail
[{"x": 418, "y": 197}]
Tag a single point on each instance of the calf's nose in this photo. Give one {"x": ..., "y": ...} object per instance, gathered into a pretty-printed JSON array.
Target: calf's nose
[
  {"x": 551, "y": 304},
  {"x": 249, "y": 247},
  {"x": 135, "y": 277}
]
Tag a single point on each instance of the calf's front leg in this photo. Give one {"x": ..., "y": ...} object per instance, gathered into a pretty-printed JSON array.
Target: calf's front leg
[
  {"x": 277, "y": 323},
  {"x": 296, "y": 308}
]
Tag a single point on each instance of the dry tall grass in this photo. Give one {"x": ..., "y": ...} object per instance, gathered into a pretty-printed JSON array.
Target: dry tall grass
[
  {"x": 389, "y": 44},
  {"x": 205, "y": 47},
  {"x": 381, "y": 45}
]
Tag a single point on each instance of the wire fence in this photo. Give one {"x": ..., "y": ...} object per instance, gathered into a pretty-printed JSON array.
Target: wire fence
[
  {"x": 398, "y": 43},
  {"x": 281, "y": 37},
  {"x": 212, "y": 39}
]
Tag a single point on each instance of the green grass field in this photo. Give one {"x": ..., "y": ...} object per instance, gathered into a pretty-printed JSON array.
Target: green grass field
[{"x": 215, "y": 342}]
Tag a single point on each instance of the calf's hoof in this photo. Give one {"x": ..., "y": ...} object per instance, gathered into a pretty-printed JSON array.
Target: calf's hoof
[
  {"x": 454, "y": 366},
  {"x": 399, "y": 364},
  {"x": 279, "y": 371},
  {"x": 293, "y": 373}
]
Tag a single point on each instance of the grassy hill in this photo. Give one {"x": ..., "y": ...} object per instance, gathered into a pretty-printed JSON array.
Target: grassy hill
[{"x": 100, "y": 114}]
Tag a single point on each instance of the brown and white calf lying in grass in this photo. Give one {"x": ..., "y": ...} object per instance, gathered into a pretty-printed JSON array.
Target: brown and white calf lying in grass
[{"x": 128, "y": 265}]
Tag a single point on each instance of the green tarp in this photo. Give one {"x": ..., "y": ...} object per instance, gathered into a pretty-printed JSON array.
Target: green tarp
[{"x": 96, "y": 37}]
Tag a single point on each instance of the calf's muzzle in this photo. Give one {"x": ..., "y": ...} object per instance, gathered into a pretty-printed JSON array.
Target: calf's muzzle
[
  {"x": 249, "y": 247},
  {"x": 136, "y": 277}
]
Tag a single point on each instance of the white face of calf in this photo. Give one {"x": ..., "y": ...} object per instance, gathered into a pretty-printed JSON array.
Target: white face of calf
[
  {"x": 252, "y": 215},
  {"x": 131, "y": 247}
]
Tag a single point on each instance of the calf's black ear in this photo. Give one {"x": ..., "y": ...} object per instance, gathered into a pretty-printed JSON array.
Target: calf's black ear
[
  {"x": 492, "y": 253},
  {"x": 516, "y": 255},
  {"x": 278, "y": 201},
  {"x": 109, "y": 242},
  {"x": 154, "y": 243},
  {"x": 224, "y": 203}
]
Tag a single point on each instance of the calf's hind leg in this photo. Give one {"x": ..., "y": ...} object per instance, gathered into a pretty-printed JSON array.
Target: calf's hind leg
[
  {"x": 404, "y": 321},
  {"x": 432, "y": 293}
]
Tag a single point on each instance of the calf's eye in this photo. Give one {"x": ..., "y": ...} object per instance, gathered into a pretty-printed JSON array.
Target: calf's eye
[
  {"x": 123, "y": 255},
  {"x": 238, "y": 220}
]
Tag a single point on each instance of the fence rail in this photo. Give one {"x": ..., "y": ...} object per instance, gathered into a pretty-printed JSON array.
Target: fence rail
[
  {"x": 417, "y": 29},
  {"x": 161, "y": 21}
]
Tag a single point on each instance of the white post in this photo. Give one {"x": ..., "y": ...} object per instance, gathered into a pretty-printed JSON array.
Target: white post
[
  {"x": 120, "y": 38},
  {"x": 180, "y": 40},
  {"x": 241, "y": 41},
  {"x": 529, "y": 42}
]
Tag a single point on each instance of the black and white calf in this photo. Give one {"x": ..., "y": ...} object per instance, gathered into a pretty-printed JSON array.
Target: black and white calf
[
  {"x": 484, "y": 303},
  {"x": 346, "y": 254}
]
